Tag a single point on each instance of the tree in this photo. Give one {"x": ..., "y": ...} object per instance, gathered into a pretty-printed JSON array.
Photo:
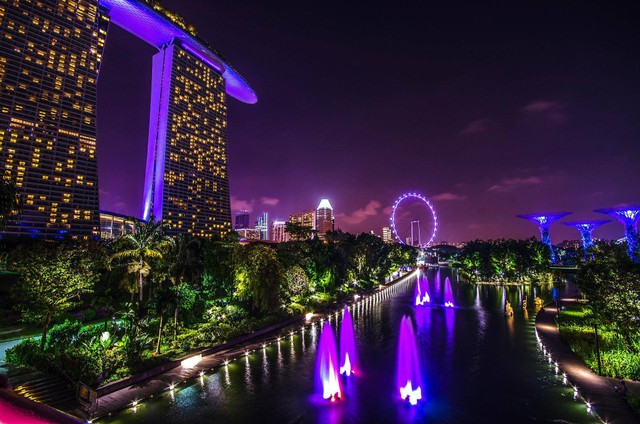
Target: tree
[
  {"x": 9, "y": 200},
  {"x": 298, "y": 232},
  {"x": 142, "y": 249},
  {"x": 258, "y": 276},
  {"x": 52, "y": 279}
]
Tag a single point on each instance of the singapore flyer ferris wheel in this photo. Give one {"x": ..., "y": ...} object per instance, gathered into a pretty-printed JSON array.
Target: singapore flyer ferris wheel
[{"x": 414, "y": 220}]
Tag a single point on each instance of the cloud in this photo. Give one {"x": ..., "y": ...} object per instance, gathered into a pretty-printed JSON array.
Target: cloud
[
  {"x": 269, "y": 201},
  {"x": 476, "y": 127},
  {"x": 510, "y": 184},
  {"x": 242, "y": 205},
  {"x": 357, "y": 217},
  {"x": 550, "y": 110},
  {"x": 447, "y": 196}
]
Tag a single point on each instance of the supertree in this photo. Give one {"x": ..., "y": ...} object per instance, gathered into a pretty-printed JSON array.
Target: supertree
[
  {"x": 629, "y": 217},
  {"x": 544, "y": 221},
  {"x": 586, "y": 232}
]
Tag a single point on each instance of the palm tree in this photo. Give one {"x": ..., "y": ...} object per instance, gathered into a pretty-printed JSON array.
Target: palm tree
[
  {"x": 9, "y": 200},
  {"x": 184, "y": 263},
  {"x": 146, "y": 244}
]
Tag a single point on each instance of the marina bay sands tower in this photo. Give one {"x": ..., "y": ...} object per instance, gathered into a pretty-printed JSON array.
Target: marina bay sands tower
[{"x": 50, "y": 55}]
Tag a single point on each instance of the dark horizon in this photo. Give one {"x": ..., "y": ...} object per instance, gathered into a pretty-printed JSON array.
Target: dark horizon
[{"x": 489, "y": 111}]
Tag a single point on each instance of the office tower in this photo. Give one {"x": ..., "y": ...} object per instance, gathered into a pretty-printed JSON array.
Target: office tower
[
  {"x": 248, "y": 234},
  {"x": 50, "y": 54},
  {"x": 387, "y": 237},
  {"x": 187, "y": 184},
  {"x": 278, "y": 233},
  {"x": 324, "y": 218},
  {"x": 242, "y": 220},
  {"x": 304, "y": 218},
  {"x": 262, "y": 225}
]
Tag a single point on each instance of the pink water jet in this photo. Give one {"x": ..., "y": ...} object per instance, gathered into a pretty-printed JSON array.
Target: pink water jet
[
  {"x": 408, "y": 377},
  {"x": 327, "y": 379},
  {"x": 448, "y": 294},
  {"x": 348, "y": 355},
  {"x": 421, "y": 293}
]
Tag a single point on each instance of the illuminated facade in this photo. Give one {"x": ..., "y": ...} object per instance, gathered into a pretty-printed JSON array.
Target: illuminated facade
[
  {"x": 544, "y": 221},
  {"x": 262, "y": 225},
  {"x": 278, "y": 233},
  {"x": 387, "y": 236},
  {"x": 242, "y": 220},
  {"x": 50, "y": 52},
  {"x": 324, "y": 218},
  {"x": 186, "y": 182},
  {"x": 248, "y": 234},
  {"x": 114, "y": 225},
  {"x": 305, "y": 218}
]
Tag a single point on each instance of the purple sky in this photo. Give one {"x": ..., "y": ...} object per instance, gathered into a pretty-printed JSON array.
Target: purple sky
[{"x": 491, "y": 111}]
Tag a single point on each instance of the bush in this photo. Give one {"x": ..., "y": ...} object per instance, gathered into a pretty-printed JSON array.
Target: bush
[
  {"x": 63, "y": 336},
  {"x": 27, "y": 354}
]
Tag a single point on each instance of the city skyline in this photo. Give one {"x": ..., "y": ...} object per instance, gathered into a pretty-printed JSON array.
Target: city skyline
[{"x": 547, "y": 118}]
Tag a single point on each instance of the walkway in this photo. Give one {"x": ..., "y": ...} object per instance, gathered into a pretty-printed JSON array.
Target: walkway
[{"x": 598, "y": 391}]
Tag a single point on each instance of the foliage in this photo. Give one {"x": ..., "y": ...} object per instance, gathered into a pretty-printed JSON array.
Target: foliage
[
  {"x": 52, "y": 279},
  {"x": 611, "y": 282},
  {"x": 504, "y": 261},
  {"x": 9, "y": 200}
]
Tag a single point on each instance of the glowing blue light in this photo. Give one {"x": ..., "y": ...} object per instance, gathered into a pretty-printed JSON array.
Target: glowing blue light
[
  {"x": 629, "y": 217},
  {"x": 544, "y": 221},
  {"x": 586, "y": 229}
]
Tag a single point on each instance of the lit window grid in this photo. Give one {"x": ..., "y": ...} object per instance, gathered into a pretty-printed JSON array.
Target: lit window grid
[{"x": 50, "y": 54}]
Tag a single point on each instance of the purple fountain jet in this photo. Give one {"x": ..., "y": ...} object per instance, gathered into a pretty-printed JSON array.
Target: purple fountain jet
[
  {"x": 348, "y": 355},
  {"x": 448, "y": 294},
  {"x": 408, "y": 377},
  {"x": 327, "y": 379}
]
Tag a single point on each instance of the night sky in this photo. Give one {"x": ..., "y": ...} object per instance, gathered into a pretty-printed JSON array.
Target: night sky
[{"x": 489, "y": 110}]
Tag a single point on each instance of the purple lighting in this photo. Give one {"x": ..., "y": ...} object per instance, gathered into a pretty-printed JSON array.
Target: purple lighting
[
  {"x": 421, "y": 291},
  {"x": 327, "y": 379},
  {"x": 427, "y": 202},
  {"x": 152, "y": 27},
  {"x": 544, "y": 221},
  {"x": 408, "y": 377},
  {"x": 348, "y": 355},
  {"x": 448, "y": 294}
]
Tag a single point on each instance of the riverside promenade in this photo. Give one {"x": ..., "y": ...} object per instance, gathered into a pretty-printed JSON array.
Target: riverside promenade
[{"x": 608, "y": 405}]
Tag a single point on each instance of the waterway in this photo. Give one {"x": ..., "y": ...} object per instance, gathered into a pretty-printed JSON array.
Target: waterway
[{"x": 478, "y": 367}]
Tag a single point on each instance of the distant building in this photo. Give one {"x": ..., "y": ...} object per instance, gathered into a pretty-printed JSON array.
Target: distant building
[
  {"x": 387, "y": 236},
  {"x": 304, "y": 218},
  {"x": 262, "y": 225},
  {"x": 242, "y": 220},
  {"x": 324, "y": 218},
  {"x": 278, "y": 233},
  {"x": 114, "y": 225},
  {"x": 248, "y": 234}
]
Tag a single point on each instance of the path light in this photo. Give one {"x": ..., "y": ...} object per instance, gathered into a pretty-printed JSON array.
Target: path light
[
  {"x": 588, "y": 407},
  {"x": 309, "y": 316},
  {"x": 226, "y": 362},
  {"x": 171, "y": 387},
  {"x": 191, "y": 362},
  {"x": 564, "y": 379}
]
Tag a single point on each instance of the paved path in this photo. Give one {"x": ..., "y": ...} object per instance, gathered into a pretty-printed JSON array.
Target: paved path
[{"x": 598, "y": 391}]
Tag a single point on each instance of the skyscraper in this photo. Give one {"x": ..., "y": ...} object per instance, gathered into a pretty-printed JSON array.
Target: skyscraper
[
  {"x": 187, "y": 184},
  {"x": 304, "y": 218},
  {"x": 387, "y": 237},
  {"x": 278, "y": 233},
  {"x": 50, "y": 54},
  {"x": 242, "y": 220},
  {"x": 324, "y": 218},
  {"x": 262, "y": 225}
]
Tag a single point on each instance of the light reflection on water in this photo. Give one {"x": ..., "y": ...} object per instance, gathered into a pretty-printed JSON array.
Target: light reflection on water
[{"x": 478, "y": 367}]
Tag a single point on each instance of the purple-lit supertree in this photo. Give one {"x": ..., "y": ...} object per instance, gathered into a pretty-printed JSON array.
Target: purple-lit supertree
[
  {"x": 543, "y": 221},
  {"x": 586, "y": 232},
  {"x": 629, "y": 217}
]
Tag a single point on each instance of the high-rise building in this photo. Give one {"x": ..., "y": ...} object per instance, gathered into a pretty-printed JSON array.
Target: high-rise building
[
  {"x": 242, "y": 220},
  {"x": 50, "y": 52},
  {"x": 278, "y": 233},
  {"x": 248, "y": 234},
  {"x": 187, "y": 184},
  {"x": 50, "y": 55},
  {"x": 304, "y": 218},
  {"x": 262, "y": 225},
  {"x": 324, "y": 218},
  {"x": 386, "y": 235}
]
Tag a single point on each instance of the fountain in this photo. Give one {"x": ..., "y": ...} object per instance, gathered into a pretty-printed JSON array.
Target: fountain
[
  {"x": 421, "y": 294},
  {"x": 408, "y": 378},
  {"x": 448, "y": 294},
  {"x": 327, "y": 380},
  {"x": 348, "y": 357}
]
